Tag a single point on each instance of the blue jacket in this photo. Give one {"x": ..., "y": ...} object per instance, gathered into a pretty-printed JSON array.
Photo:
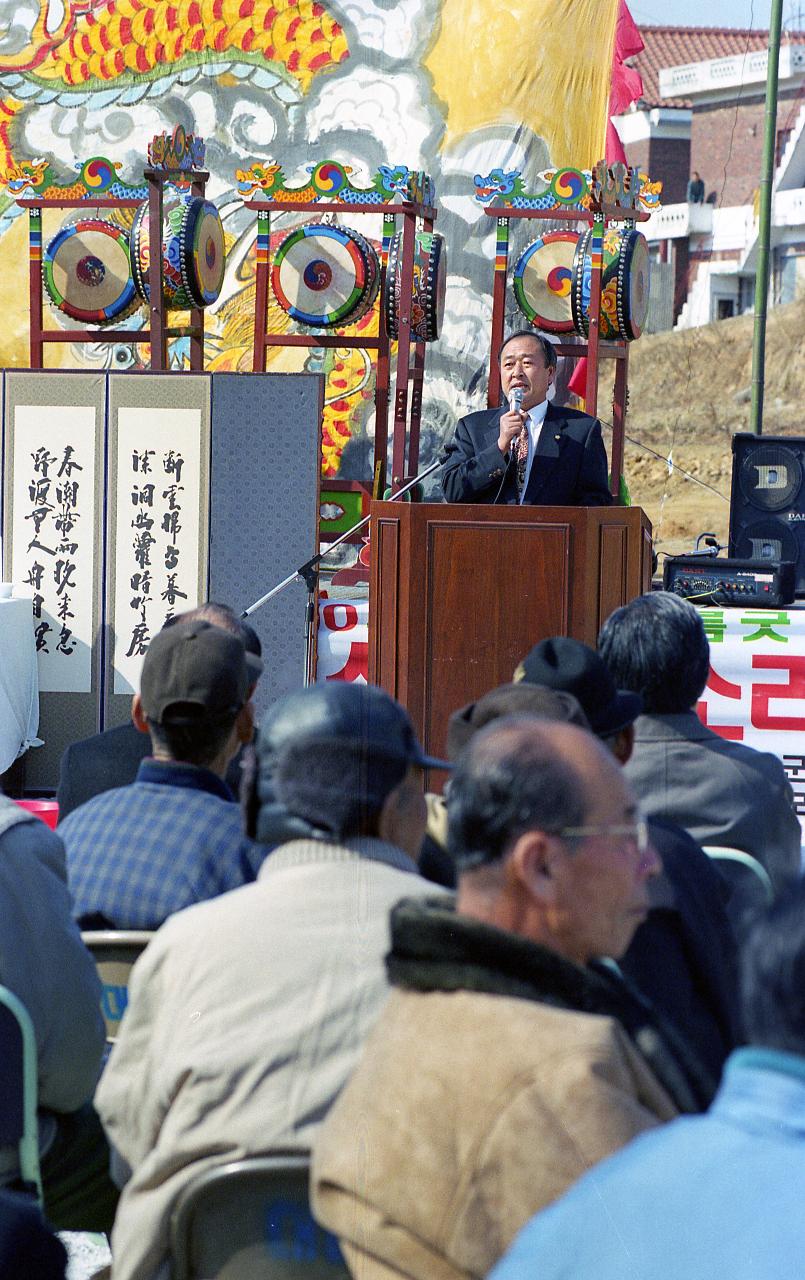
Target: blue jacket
[
  {"x": 704, "y": 1196},
  {"x": 137, "y": 854}
]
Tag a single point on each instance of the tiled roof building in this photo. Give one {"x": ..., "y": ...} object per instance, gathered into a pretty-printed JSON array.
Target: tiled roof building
[
  {"x": 679, "y": 46},
  {"x": 702, "y": 111}
]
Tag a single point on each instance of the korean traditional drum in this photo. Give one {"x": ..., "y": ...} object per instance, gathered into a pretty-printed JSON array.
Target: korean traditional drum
[
  {"x": 192, "y": 252},
  {"x": 624, "y": 284},
  {"x": 325, "y": 276},
  {"x": 542, "y": 281},
  {"x": 429, "y": 286},
  {"x": 86, "y": 268}
]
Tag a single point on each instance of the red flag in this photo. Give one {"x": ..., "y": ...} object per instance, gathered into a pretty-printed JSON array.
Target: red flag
[
  {"x": 626, "y": 85},
  {"x": 578, "y": 379}
]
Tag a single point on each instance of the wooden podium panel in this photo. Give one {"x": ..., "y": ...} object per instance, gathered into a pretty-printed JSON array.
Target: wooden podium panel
[{"x": 459, "y": 594}]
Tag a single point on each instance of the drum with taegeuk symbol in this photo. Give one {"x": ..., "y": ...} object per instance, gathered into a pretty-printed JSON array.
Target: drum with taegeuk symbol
[
  {"x": 624, "y": 284},
  {"x": 192, "y": 252},
  {"x": 325, "y": 276},
  {"x": 542, "y": 281},
  {"x": 86, "y": 268},
  {"x": 429, "y": 286}
]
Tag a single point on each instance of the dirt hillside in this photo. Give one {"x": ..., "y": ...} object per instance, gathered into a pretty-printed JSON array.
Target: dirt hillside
[{"x": 689, "y": 391}]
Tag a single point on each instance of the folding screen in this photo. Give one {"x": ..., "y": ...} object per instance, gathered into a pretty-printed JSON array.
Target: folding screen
[
  {"x": 265, "y": 468},
  {"x": 129, "y": 498},
  {"x": 53, "y": 472}
]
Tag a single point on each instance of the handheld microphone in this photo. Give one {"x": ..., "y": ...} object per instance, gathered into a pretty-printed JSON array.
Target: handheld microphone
[{"x": 516, "y": 400}]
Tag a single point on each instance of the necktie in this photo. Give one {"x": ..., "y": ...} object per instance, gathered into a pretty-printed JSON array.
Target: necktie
[{"x": 521, "y": 454}]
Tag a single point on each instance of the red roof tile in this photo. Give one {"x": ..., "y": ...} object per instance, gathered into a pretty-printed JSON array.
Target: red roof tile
[{"x": 677, "y": 46}]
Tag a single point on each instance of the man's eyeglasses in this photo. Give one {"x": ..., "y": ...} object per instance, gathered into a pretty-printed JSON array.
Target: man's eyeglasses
[{"x": 637, "y": 831}]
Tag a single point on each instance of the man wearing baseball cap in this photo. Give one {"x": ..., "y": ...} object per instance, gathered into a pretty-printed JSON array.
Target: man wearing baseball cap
[
  {"x": 247, "y": 1013},
  {"x": 172, "y": 837}
]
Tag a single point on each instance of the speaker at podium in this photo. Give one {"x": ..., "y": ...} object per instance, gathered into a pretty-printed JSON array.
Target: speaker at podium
[{"x": 767, "y": 500}]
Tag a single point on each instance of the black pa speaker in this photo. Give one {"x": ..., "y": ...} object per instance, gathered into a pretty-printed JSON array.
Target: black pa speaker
[{"x": 767, "y": 501}]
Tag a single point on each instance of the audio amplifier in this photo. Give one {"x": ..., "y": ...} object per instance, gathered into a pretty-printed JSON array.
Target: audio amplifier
[{"x": 708, "y": 580}]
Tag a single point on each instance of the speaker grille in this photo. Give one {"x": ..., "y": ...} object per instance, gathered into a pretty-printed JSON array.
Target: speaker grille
[
  {"x": 770, "y": 477},
  {"x": 766, "y": 540}
]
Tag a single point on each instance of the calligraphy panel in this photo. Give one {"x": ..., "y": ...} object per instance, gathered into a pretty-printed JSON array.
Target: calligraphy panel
[
  {"x": 158, "y": 503},
  {"x": 52, "y": 486}
]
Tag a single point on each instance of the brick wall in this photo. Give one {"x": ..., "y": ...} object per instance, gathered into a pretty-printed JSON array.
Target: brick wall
[
  {"x": 731, "y": 137},
  {"x": 665, "y": 160}
]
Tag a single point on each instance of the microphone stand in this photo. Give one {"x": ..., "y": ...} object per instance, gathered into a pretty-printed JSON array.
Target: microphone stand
[{"x": 308, "y": 572}]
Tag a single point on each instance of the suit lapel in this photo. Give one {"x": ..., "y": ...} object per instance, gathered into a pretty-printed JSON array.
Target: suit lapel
[
  {"x": 550, "y": 439},
  {"x": 492, "y": 427},
  {"x": 508, "y": 492},
  {"x": 549, "y": 447}
]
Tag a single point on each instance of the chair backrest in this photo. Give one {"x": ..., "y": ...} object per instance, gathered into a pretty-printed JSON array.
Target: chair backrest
[
  {"x": 749, "y": 882},
  {"x": 251, "y": 1220},
  {"x": 19, "y": 1126},
  {"x": 47, "y": 810},
  {"x": 114, "y": 952}
]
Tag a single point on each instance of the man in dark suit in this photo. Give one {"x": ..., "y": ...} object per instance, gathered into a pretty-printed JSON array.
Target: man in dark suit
[{"x": 537, "y": 455}]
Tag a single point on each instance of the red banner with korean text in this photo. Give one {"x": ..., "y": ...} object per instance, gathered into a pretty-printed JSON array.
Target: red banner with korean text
[
  {"x": 755, "y": 693},
  {"x": 343, "y": 640},
  {"x": 756, "y": 689}
]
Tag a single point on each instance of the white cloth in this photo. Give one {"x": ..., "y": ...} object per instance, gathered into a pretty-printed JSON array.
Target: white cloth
[
  {"x": 19, "y": 682},
  {"x": 536, "y": 419}
]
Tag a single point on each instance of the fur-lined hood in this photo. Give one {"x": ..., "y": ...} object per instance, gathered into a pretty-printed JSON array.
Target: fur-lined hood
[{"x": 434, "y": 949}]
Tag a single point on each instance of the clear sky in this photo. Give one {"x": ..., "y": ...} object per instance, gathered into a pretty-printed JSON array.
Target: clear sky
[{"x": 715, "y": 13}]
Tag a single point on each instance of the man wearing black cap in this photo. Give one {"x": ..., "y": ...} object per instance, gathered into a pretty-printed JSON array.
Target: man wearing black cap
[
  {"x": 246, "y": 1013},
  {"x": 683, "y": 957},
  {"x": 172, "y": 837}
]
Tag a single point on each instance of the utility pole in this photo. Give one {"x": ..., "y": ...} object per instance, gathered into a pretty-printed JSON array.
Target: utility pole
[{"x": 764, "y": 223}]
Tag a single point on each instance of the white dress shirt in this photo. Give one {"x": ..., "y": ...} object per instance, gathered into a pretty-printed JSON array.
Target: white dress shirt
[{"x": 536, "y": 419}]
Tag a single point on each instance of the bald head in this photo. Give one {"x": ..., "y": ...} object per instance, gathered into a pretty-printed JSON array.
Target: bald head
[
  {"x": 521, "y": 772},
  {"x": 547, "y": 839}
]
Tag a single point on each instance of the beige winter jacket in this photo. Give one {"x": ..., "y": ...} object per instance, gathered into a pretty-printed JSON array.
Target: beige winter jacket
[{"x": 467, "y": 1113}]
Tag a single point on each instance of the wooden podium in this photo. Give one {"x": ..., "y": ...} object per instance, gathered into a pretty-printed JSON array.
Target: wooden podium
[{"x": 459, "y": 594}]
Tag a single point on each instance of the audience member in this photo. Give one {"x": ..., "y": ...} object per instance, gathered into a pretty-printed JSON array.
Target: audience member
[
  {"x": 719, "y": 1194},
  {"x": 112, "y": 758},
  {"x": 509, "y": 699},
  {"x": 502, "y": 1065},
  {"x": 28, "y": 1248},
  {"x": 723, "y": 793},
  {"x": 247, "y": 1013},
  {"x": 172, "y": 837},
  {"x": 44, "y": 962},
  {"x": 512, "y": 700},
  {"x": 683, "y": 956}
]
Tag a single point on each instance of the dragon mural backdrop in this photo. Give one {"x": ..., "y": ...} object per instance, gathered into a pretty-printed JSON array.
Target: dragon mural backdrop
[{"x": 468, "y": 90}]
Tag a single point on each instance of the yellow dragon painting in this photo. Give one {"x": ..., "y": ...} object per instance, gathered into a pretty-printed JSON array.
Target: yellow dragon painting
[
  {"x": 98, "y": 53},
  {"x": 95, "y": 53}
]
